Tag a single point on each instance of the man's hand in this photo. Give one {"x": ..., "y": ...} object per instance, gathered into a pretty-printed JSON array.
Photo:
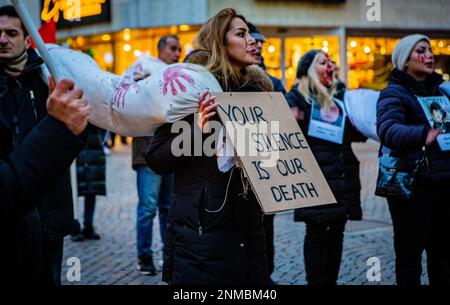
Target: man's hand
[{"x": 67, "y": 105}]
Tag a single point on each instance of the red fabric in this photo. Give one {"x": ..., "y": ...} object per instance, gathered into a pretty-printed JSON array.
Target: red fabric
[{"x": 48, "y": 32}]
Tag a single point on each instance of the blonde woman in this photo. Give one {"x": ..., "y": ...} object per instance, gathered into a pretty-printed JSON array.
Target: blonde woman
[
  {"x": 215, "y": 232},
  {"x": 314, "y": 102}
]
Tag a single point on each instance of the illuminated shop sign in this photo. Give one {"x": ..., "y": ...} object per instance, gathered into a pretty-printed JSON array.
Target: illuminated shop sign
[{"x": 68, "y": 13}]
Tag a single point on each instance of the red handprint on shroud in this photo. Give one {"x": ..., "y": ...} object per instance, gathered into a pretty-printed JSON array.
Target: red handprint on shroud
[
  {"x": 173, "y": 75},
  {"x": 124, "y": 87}
]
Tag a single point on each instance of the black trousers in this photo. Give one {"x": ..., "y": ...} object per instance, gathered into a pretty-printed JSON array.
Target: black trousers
[
  {"x": 270, "y": 247},
  {"x": 323, "y": 252},
  {"x": 53, "y": 256},
  {"x": 421, "y": 224},
  {"x": 89, "y": 209}
]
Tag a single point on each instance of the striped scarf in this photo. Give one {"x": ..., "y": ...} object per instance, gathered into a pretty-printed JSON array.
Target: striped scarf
[{"x": 14, "y": 67}]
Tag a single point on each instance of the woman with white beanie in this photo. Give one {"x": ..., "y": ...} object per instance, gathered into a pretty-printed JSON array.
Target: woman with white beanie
[{"x": 420, "y": 223}]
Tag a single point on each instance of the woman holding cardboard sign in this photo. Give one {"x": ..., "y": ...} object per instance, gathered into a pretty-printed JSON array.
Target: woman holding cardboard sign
[
  {"x": 320, "y": 112},
  {"x": 404, "y": 117},
  {"x": 214, "y": 233}
]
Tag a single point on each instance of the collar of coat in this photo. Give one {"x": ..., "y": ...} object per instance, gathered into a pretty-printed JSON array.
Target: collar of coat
[
  {"x": 255, "y": 78},
  {"x": 429, "y": 87},
  {"x": 33, "y": 62}
]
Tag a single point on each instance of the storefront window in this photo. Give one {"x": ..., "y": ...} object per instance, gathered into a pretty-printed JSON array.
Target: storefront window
[
  {"x": 271, "y": 53},
  {"x": 115, "y": 52},
  {"x": 370, "y": 65}
]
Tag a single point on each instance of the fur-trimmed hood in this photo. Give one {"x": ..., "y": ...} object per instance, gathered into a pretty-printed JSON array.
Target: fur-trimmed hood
[{"x": 255, "y": 78}]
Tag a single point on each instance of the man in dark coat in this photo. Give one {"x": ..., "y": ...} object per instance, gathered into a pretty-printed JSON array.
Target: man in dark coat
[
  {"x": 27, "y": 173},
  {"x": 23, "y": 96}
]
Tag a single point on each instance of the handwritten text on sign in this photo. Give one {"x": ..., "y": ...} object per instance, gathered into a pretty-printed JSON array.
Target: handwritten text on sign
[{"x": 273, "y": 151}]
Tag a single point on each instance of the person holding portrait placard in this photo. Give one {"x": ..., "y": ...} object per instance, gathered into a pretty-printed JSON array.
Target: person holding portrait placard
[
  {"x": 404, "y": 112},
  {"x": 318, "y": 107}
]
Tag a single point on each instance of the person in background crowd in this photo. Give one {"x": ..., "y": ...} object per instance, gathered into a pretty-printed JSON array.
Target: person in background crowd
[
  {"x": 215, "y": 232},
  {"x": 278, "y": 86},
  {"x": 91, "y": 166},
  {"x": 340, "y": 86},
  {"x": 260, "y": 39},
  {"x": 420, "y": 223},
  {"x": 23, "y": 106},
  {"x": 325, "y": 225},
  {"x": 154, "y": 191}
]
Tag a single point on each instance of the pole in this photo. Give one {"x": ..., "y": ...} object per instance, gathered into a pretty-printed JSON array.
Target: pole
[{"x": 52, "y": 67}]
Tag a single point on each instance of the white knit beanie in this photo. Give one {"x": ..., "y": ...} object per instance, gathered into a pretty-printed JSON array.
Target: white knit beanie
[{"x": 404, "y": 48}]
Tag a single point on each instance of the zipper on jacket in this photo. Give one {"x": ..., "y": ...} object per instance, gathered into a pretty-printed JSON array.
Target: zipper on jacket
[
  {"x": 200, "y": 230},
  {"x": 33, "y": 104},
  {"x": 18, "y": 83}
]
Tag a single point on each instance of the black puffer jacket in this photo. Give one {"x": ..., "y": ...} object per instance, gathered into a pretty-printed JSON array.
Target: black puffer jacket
[
  {"x": 403, "y": 127},
  {"x": 91, "y": 165},
  {"x": 339, "y": 166},
  {"x": 23, "y": 105},
  {"x": 210, "y": 241}
]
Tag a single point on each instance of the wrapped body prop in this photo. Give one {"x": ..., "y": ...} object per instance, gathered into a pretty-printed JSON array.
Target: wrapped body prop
[
  {"x": 135, "y": 108},
  {"x": 169, "y": 93},
  {"x": 361, "y": 107}
]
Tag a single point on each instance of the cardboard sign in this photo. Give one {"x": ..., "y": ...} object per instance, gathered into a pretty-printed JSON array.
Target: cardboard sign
[
  {"x": 273, "y": 151},
  {"x": 437, "y": 111}
]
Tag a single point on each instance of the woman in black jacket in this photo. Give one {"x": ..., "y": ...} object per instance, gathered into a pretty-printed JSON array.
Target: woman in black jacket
[
  {"x": 91, "y": 167},
  {"x": 215, "y": 233},
  {"x": 325, "y": 225},
  {"x": 421, "y": 222}
]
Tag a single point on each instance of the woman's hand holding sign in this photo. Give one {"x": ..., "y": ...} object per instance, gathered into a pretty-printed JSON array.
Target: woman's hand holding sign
[{"x": 207, "y": 108}]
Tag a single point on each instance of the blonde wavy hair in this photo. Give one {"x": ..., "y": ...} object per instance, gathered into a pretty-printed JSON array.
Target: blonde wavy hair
[
  {"x": 212, "y": 37},
  {"x": 311, "y": 87}
]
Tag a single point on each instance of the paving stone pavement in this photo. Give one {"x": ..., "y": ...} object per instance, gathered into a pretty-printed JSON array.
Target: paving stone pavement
[{"x": 112, "y": 259}]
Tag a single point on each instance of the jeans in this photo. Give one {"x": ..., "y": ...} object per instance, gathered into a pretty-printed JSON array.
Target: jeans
[{"x": 154, "y": 191}]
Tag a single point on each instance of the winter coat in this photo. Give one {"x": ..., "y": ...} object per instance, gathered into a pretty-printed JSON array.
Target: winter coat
[
  {"x": 91, "y": 165},
  {"x": 26, "y": 176},
  {"x": 23, "y": 105},
  {"x": 215, "y": 233},
  {"x": 138, "y": 151},
  {"x": 277, "y": 84},
  {"x": 403, "y": 127},
  {"x": 339, "y": 165}
]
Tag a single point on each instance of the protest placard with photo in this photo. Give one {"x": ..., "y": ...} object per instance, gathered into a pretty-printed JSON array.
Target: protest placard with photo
[
  {"x": 327, "y": 124},
  {"x": 437, "y": 111},
  {"x": 273, "y": 151}
]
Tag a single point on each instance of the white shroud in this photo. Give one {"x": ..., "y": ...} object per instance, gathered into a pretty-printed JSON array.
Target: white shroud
[
  {"x": 131, "y": 108},
  {"x": 137, "y": 108},
  {"x": 361, "y": 107}
]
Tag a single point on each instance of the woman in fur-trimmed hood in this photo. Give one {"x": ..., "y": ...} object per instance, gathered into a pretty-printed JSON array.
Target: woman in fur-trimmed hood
[{"x": 214, "y": 233}]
